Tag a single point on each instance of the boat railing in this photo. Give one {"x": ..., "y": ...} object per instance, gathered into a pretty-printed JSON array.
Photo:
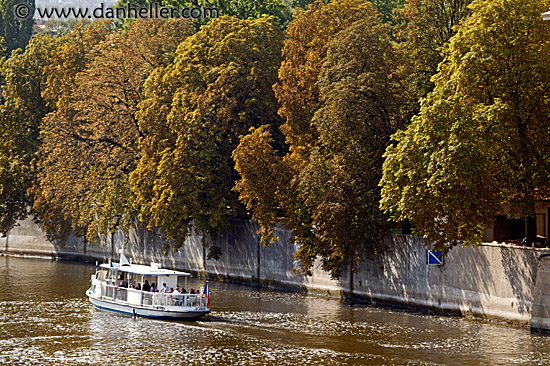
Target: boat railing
[
  {"x": 109, "y": 291},
  {"x": 113, "y": 292},
  {"x": 147, "y": 298},
  {"x": 122, "y": 294},
  {"x": 189, "y": 300},
  {"x": 152, "y": 299}
]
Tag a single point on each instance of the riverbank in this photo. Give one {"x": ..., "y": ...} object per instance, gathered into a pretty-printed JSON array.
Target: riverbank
[{"x": 489, "y": 281}]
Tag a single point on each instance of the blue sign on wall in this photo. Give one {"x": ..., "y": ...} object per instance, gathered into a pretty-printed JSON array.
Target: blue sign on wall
[{"x": 435, "y": 258}]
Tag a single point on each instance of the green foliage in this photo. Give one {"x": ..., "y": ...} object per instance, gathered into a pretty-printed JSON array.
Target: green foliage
[
  {"x": 135, "y": 3},
  {"x": 362, "y": 95},
  {"x": 293, "y": 4},
  {"x": 196, "y": 109},
  {"x": 56, "y": 27},
  {"x": 15, "y": 32},
  {"x": 341, "y": 95},
  {"x": 101, "y": 126},
  {"x": 90, "y": 143},
  {"x": 262, "y": 174},
  {"x": 387, "y": 7},
  {"x": 479, "y": 143},
  {"x": 304, "y": 53},
  {"x": 20, "y": 115},
  {"x": 244, "y": 9},
  {"x": 425, "y": 28}
]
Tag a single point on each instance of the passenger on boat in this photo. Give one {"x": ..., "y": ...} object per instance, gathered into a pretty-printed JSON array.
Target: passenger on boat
[
  {"x": 192, "y": 292},
  {"x": 153, "y": 287},
  {"x": 164, "y": 288},
  {"x": 138, "y": 287},
  {"x": 183, "y": 291},
  {"x": 146, "y": 286}
]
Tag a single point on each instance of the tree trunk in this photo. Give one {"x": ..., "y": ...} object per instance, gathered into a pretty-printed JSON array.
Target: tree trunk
[
  {"x": 406, "y": 227},
  {"x": 531, "y": 233},
  {"x": 351, "y": 277}
]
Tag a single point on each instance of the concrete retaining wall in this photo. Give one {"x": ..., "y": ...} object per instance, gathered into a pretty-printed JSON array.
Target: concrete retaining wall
[{"x": 490, "y": 281}]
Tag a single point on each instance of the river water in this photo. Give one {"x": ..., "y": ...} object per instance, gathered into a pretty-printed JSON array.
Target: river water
[{"x": 46, "y": 319}]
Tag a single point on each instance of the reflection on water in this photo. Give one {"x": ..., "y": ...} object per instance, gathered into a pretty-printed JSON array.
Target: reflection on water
[{"x": 46, "y": 319}]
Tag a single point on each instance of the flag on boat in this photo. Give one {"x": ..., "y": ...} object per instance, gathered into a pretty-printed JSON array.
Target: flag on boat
[
  {"x": 207, "y": 293},
  {"x": 123, "y": 259}
]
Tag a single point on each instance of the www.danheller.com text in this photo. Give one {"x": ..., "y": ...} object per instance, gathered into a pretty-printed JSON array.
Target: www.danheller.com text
[{"x": 152, "y": 10}]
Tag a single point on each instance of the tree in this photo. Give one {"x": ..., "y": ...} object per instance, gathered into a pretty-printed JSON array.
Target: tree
[
  {"x": 67, "y": 59},
  {"x": 299, "y": 3},
  {"x": 479, "y": 143},
  {"x": 264, "y": 178},
  {"x": 304, "y": 53},
  {"x": 362, "y": 95},
  {"x": 242, "y": 9},
  {"x": 425, "y": 28},
  {"x": 56, "y": 27},
  {"x": 15, "y": 31},
  {"x": 90, "y": 144},
  {"x": 253, "y": 9},
  {"x": 195, "y": 111},
  {"x": 387, "y": 7},
  {"x": 341, "y": 95},
  {"x": 20, "y": 115}
]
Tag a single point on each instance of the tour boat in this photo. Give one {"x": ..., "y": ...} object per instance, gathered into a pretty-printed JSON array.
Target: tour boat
[{"x": 119, "y": 287}]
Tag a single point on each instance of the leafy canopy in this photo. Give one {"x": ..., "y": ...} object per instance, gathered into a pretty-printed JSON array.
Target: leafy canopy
[
  {"x": 424, "y": 30},
  {"x": 21, "y": 111},
  {"x": 218, "y": 87},
  {"x": 15, "y": 32},
  {"x": 341, "y": 95},
  {"x": 90, "y": 143},
  {"x": 479, "y": 144},
  {"x": 242, "y": 9}
]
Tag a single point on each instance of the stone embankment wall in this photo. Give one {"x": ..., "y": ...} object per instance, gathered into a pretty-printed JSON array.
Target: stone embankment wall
[{"x": 490, "y": 281}]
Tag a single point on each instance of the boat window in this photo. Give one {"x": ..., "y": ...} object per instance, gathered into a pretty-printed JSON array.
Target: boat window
[{"x": 111, "y": 276}]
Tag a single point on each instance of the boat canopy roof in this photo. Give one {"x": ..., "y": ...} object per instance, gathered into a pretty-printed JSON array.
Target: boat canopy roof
[{"x": 143, "y": 270}]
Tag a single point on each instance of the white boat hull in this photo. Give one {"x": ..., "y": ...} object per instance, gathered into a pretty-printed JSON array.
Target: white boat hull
[{"x": 165, "y": 313}]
